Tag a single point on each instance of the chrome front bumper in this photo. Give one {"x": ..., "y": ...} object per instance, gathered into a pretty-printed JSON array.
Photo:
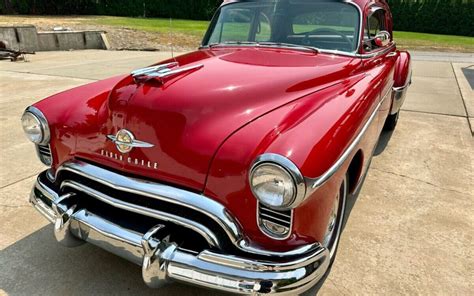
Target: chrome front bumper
[{"x": 162, "y": 260}]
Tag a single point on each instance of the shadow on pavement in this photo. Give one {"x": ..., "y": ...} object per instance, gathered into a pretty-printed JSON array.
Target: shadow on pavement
[
  {"x": 384, "y": 139},
  {"x": 38, "y": 265}
]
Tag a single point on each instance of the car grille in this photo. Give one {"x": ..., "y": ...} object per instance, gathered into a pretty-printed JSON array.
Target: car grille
[
  {"x": 44, "y": 153},
  {"x": 118, "y": 207},
  {"x": 276, "y": 224}
]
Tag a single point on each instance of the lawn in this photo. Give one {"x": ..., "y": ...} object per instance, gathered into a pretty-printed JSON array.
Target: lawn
[
  {"x": 406, "y": 40},
  {"x": 195, "y": 28},
  {"x": 421, "y": 41}
]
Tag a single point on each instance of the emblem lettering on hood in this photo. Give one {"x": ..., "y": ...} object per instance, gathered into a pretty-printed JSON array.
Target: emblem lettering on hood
[{"x": 125, "y": 141}]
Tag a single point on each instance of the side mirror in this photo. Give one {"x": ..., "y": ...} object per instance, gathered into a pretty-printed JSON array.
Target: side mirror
[{"x": 382, "y": 38}]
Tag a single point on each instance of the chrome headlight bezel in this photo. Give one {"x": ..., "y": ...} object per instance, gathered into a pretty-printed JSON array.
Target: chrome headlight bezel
[
  {"x": 287, "y": 168},
  {"x": 36, "y": 115}
]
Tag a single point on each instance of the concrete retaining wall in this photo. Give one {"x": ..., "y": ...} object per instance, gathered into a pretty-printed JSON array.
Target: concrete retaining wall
[
  {"x": 20, "y": 37},
  {"x": 28, "y": 39},
  {"x": 49, "y": 41}
]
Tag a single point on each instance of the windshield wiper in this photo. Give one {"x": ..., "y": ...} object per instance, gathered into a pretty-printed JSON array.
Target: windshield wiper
[
  {"x": 267, "y": 44},
  {"x": 290, "y": 45},
  {"x": 233, "y": 43}
]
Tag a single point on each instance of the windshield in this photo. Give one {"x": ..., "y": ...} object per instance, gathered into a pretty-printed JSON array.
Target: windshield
[{"x": 325, "y": 25}]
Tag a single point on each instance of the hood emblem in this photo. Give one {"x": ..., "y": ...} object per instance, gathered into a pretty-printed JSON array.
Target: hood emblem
[
  {"x": 125, "y": 141},
  {"x": 161, "y": 72}
]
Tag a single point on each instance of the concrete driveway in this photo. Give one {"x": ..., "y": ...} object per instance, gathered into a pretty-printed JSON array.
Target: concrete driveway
[{"x": 410, "y": 232}]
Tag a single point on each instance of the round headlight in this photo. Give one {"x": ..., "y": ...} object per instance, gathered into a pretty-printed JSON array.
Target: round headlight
[
  {"x": 35, "y": 126},
  {"x": 273, "y": 186}
]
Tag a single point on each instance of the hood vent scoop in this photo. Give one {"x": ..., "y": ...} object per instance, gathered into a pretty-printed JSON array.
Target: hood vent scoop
[{"x": 161, "y": 72}]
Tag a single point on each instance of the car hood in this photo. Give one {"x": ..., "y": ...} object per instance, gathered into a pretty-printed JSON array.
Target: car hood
[{"x": 187, "y": 117}]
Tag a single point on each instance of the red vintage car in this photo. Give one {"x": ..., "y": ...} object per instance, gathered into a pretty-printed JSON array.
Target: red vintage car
[{"x": 229, "y": 167}]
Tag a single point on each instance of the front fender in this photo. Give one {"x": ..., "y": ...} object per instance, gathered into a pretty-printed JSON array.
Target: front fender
[
  {"x": 402, "y": 80},
  {"x": 73, "y": 111},
  {"x": 312, "y": 132}
]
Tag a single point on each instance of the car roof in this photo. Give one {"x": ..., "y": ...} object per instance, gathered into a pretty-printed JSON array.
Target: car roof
[{"x": 361, "y": 3}]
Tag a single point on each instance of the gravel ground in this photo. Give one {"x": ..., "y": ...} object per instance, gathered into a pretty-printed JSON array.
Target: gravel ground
[{"x": 120, "y": 38}]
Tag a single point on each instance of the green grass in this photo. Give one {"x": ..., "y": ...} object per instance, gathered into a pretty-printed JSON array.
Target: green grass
[
  {"x": 421, "y": 40},
  {"x": 195, "y": 28},
  {"x": 407, "y": 40}
]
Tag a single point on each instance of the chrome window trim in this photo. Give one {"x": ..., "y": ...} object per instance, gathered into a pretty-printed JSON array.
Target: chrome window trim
[
  {"x": 314, "y": 183},
  {"x": 379, "y": 52},
  {"x": 44, "y": 124},
  {"x": 354, "y": 53}
]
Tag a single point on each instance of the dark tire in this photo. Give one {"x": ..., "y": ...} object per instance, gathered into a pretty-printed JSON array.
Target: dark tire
[
  {"x": 333, "y": 241},
  {"x": 391, "y": 122}
]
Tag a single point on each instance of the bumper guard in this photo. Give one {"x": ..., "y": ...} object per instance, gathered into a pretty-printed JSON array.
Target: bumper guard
[{"x": 162, "y": 261}]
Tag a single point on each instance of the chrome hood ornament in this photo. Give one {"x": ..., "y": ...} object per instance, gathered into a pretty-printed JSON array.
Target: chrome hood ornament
[
  {"x": 161, "y": 72},
  {"x": 125, "y": 141}
]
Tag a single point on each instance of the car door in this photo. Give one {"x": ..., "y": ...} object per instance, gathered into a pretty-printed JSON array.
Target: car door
[{"x": 380, "y": 51}]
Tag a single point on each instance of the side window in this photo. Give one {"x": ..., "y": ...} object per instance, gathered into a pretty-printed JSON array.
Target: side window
[
  {"x": 264, "y": 31},
  {"x": 234, "y": 25},
  {"x": 375, "y": 24}
]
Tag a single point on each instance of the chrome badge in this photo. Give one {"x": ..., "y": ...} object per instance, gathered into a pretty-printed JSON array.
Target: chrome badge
[{"x": 125, "y": 141}]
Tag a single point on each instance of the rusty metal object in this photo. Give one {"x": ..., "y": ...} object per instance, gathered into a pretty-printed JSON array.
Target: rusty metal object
[{"x": 11, "y": 54}]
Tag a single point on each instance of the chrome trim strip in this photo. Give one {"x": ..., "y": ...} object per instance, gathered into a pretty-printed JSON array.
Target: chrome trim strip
[
  {"x": 244, "y": 245},
  {"x": 45, "y": 190},
  {"x": 377, "y": 53},
  {"x": 180, "y": 197},
  {"x": 44, "y": 123},
  {"x": 314, "y": 183},
  {"x": 280, "y": 214},
  {"x": 205, "y": 232},
  {"x": 41, "y": 207},
  {"x": 276, "y": 218}
]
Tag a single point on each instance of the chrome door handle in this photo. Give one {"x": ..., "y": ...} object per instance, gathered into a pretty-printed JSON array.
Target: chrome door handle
[{"x": 392, "y": 54}]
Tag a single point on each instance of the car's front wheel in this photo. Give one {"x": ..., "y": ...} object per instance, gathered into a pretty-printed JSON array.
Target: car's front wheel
[{"x": 334, "y": 227}]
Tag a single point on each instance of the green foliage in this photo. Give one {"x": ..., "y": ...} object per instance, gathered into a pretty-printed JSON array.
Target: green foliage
[
  {"x": 455, "y": 17},
  {"x": 182, "y": 9}
]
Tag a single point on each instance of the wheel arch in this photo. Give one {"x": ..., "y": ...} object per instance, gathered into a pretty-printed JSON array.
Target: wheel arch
[{"x": 354, "y": 171}]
